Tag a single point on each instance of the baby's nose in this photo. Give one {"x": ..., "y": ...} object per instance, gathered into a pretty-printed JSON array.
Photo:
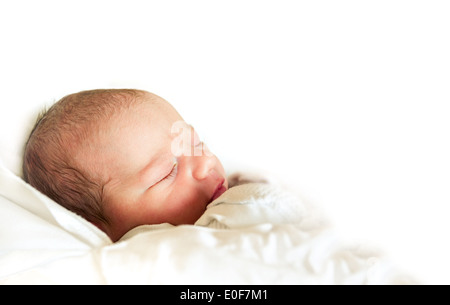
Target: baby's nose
[{"x": 203, "y": 165}]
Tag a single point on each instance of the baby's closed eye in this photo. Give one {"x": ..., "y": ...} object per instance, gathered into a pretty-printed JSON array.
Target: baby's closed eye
[{"x": 173, "y": 172}]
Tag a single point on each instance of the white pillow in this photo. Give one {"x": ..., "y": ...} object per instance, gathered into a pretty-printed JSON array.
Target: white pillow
[
  {"x": 16, "y": 125},
  {"x": 37, "y": 229}
]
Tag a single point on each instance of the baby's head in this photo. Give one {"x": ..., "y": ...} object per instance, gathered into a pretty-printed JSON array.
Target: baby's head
[{"x": 122, "y": 158}]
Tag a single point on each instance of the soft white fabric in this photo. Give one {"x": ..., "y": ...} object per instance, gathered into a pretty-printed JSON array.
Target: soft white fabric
[
  {"x": 35, "y": 230},
  {"x": 252, "y": 234}
]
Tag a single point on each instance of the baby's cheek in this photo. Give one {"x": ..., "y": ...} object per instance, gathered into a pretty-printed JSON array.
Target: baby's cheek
[{"x": 182, "y": 207}]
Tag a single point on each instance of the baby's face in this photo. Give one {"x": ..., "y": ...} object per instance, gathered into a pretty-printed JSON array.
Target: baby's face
[{"x": 153, "y": 176}]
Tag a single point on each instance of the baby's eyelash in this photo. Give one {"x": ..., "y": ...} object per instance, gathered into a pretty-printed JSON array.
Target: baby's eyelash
[{"x": 173, "y": 172}]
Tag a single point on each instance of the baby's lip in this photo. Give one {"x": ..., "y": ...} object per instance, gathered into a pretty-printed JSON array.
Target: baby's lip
[{"x": 219, "y": 190}]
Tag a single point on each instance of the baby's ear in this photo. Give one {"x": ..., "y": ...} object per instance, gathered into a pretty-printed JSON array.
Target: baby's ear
[{"x": 239, "y": 178}]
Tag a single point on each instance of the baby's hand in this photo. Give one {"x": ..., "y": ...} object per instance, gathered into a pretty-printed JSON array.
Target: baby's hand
[{"x": 239, "y": 178}]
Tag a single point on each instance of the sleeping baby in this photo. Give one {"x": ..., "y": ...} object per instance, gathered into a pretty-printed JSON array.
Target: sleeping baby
[
  {"x": 122, "y": 158},
  {"x": 126, "y": 160}
]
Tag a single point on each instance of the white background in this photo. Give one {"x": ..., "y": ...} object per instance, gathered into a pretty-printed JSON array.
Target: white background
[{"x": 346, "y": 101}]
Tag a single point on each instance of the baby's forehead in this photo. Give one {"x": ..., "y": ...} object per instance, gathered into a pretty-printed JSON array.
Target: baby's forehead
[
  {"x": 128, "y": 118},
  {"x": 147, "y": 118}
]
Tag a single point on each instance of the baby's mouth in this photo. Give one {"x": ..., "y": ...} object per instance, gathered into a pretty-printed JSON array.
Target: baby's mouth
[{"x": 220, "y": 189}]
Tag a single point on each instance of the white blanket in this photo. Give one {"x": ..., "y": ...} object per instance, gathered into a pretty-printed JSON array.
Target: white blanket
[{"x": 252, "y": 234}]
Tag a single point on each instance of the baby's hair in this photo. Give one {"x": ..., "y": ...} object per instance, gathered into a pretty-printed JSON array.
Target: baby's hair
[{"x": 48, "y": 162}]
